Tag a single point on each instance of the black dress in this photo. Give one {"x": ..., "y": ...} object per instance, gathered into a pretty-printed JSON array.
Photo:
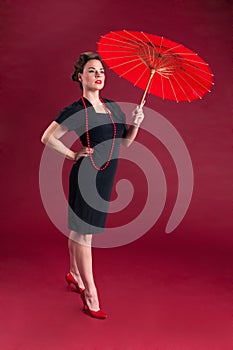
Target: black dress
[{"x": 90, "y": 189}]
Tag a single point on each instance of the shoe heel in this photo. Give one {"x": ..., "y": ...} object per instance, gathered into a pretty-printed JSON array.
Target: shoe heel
[{"x": 71, "y": 282}]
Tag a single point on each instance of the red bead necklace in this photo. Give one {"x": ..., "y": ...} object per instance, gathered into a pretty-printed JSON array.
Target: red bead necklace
[{"x": 88, "y": 137}]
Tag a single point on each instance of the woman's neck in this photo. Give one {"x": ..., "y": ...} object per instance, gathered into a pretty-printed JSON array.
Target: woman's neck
[{"x": 92, "y": 97}]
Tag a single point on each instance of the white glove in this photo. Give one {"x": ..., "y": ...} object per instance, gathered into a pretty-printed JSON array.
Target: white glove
[{"x": 137, "y": 116}]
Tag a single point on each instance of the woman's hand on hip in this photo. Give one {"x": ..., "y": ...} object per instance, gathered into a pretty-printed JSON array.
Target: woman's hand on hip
[{"x": 83, "y": 152}]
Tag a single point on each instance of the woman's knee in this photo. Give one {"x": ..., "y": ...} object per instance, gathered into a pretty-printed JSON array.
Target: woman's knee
[{"x": 81, "y": 238}]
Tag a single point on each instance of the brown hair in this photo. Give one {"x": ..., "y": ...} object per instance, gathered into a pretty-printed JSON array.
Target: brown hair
[{"x": 80, "y": 63}]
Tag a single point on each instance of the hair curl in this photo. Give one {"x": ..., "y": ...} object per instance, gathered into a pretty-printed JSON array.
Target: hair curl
[{"x": 80, "y": 63}]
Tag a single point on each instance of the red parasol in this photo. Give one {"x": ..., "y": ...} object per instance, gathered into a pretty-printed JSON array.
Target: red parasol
[{"x": 157, "y": 65}]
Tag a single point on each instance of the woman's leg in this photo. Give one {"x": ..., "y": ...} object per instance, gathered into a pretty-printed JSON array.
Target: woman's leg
[
  {"x": 81, "y": 246},
  {"x": 73, "y": 263}
]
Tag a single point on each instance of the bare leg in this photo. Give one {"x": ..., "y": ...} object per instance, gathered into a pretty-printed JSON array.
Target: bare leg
[
  {"x": 82, "y": 250},
  {"x": 73, "y": 263}
]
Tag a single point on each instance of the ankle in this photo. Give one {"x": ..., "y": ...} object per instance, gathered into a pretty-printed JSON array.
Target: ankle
[
  {"x": 92, "y": 300},
  {"x": 74, "y": 274},
  {"x": 91, "y": 292}
]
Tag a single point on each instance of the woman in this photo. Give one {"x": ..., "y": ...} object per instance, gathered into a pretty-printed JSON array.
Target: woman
[{"x": 101, "y": 126}]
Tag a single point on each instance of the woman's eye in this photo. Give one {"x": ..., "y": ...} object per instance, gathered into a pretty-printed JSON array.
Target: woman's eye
[{"x": 93, "y": 71}]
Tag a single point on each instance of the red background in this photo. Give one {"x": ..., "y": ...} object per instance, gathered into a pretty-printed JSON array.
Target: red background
[{"x": 163, "y": 291}]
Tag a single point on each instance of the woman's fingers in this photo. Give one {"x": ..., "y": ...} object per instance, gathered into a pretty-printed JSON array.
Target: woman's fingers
[
  {"x": 89, "y": 151},
  {"x": 86, "y": 151},
  {"x": 83, "y": 152},
  {"x": 138, "y": 116}
]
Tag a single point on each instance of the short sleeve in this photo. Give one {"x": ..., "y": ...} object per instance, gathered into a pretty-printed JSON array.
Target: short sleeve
[{"x": 71, "y": 117}]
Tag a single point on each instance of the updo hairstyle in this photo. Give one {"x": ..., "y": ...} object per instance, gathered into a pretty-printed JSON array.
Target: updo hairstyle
[{"x": 80, "y": 63}]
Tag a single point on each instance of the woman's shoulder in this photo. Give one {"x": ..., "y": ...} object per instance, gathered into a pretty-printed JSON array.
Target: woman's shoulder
[
  {"x": 72, "y": 108},
  {"x": 68, "y": 115}
]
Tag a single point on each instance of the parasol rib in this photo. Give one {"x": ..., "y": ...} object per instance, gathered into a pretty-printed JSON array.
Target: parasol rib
[
  {"x": 124, "y": 63},
  {"x": 180, "y": 86},
  {"x": 151, "y": 42},
  {"x": 115, "y": 45},
  {"x": 127, "y": 38},
  {"x": 188, "y": 60},
  {"x": 120, "y": 41},
  {"x": 129, "y": 70},
  {"x": 172, "y": 48},
  {"x": 153, "y": 51},
  {"x": 123, "y": 36},
  {"x": 186, "y": 53},
  {"x": 198, "y": 82},
  {"x": 188, "y": 85},
  {"x": 199, "y": 69},
  {"x": 119, "y": 51},
  {"x": 203, "y": 79},
  {"x": 161, "y": 43},
  {"x": 141, "y": 76},
  {"x": 173, "y": 90},
  {"x": 162, "y": 86},
  {"x": 137, "y": 39},
  {"x": 113, "y": 58},
  {"x": 160, "y": 47}
]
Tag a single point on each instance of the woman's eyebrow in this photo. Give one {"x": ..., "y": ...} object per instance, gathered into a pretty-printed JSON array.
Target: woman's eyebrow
[{"x": 95, "y": 68}]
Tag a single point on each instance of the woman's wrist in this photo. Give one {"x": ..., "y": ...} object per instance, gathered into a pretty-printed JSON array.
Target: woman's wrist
[
  {"x": 71, "y": 155},
  {"x": 136, "y": 125},
  {"x": 76, "y": 156}
]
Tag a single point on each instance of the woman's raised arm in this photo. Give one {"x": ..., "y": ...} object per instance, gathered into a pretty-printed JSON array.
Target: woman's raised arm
[{"x": 137, "y": 118}]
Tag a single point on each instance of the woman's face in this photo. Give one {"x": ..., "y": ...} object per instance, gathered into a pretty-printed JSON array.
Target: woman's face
[{"x": 93, "y": 76}]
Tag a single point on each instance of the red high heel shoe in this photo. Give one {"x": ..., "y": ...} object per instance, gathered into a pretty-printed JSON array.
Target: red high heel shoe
[
  {"x": 96, "y": 314},
  {"x": 70, "y": 280}
]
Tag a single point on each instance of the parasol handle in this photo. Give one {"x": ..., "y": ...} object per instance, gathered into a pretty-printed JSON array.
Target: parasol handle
[{"x": 152, "y": 72}]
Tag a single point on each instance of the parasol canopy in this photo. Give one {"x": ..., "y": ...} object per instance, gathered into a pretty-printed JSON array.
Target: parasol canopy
[{"x": 157, "y": 65}]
